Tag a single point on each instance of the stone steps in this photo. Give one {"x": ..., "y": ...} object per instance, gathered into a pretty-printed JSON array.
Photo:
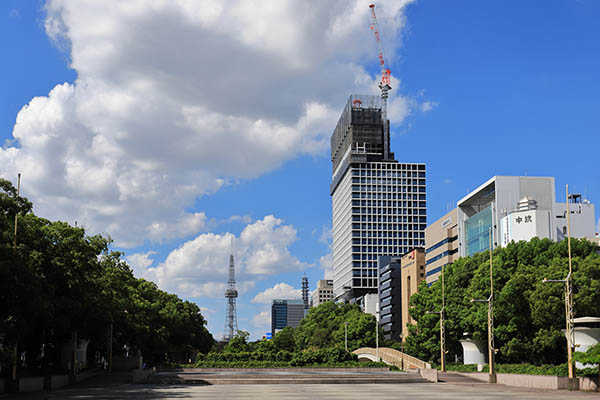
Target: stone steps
[{"x": 281, "y": 379}]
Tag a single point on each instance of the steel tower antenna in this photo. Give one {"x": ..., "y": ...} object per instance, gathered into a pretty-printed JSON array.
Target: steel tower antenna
[
  {"x": 384, "y": 85},
  {"x": 231, "y": 327}
]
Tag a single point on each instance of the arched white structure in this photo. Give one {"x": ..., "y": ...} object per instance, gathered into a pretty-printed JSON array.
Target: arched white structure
[
  {"x": 474, "y": 351},
  {"x": 587, "y": 334}
]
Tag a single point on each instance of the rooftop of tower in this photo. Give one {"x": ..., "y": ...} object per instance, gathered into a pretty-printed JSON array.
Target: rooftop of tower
[{"x": 359, "y": 130}]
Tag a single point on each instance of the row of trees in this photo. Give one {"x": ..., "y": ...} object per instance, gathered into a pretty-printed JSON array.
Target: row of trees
[
  {"x": 59, "y": 282},
  {"x": 319, "y": 339},
  {"x": 528, "y": 314}
]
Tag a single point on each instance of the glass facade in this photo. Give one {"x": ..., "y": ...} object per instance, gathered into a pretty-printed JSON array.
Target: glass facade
[{"x": 477, "y": 231}]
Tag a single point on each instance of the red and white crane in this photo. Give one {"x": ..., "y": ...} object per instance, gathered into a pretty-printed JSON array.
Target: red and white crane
[{"x": 384, "y": 85}]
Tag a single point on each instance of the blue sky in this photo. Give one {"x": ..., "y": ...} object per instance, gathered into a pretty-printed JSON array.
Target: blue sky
[{"x": 175, "y": 129}]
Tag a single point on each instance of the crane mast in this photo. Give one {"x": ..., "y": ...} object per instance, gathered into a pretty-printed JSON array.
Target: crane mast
[{"x": 384, "y": 85}]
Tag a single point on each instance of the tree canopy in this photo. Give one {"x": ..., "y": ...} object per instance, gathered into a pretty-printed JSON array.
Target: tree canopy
[
  {"x": 59, "y": 280},
  {"x": 324, "y": 327},
  {"x": 528, "y": 313}
]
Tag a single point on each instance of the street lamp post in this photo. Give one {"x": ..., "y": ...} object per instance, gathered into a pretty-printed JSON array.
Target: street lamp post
[
  {"x": 346, "y": 335},
  {"x": 377, "y": 334},
  {"x": 442, "y": 339},
  {"x": 569, "y": 314},
  {"x": 490, "y": 301}
]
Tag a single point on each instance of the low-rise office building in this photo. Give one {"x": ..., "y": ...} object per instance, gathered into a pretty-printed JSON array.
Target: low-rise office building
[
  {"x": 441, "y": 245},
  {"x": 323, "y": 292},
  {"x": 286, "y": 313},
  {"x": 513, "y": 208},
  {"x": 413, "y": 273}
]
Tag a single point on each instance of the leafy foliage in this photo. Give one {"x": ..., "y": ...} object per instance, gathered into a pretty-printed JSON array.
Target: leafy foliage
[
  {"x": 528, "y": 314},
  {"x": 59, "y": 281},
  {"x": 324, "y": 327}
]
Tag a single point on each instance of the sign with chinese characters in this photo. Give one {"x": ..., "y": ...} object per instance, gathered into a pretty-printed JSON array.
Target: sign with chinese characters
[{"x": 524, "y": 219}]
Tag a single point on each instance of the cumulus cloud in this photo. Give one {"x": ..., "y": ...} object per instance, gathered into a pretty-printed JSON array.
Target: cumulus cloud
[
  {"x": 199, "y": 267},
  {"x": 262, "y": 320},
  {"x": 279, "y": 291},
  {"x": 173, "y": 99},
  {"x": 139, "y": 262}
]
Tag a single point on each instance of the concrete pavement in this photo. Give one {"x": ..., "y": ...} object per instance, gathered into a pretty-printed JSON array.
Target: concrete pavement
[{"x": 118, "y": 387}]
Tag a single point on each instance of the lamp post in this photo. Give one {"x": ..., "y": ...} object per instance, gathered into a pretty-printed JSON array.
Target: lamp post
[
  {"x": 490, "y": 301},
  {"x": 346, "y": 335},
  {"x": 569, "y": 314},
  {"x": 442, "y": 339},
  {"x": 377, "y": 334}
]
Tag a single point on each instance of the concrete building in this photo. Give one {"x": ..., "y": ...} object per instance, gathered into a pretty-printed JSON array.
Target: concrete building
[
  {"x": 286, "y": 313},
  {"x": 390, "y": 306},
  {"x": 441, "y": 245},
  {"x": 323, "y": 292},
  {"x": 517, "y": 208},
  {"x": 378, "y": 204},
  {"x": 413, "y": 273}
]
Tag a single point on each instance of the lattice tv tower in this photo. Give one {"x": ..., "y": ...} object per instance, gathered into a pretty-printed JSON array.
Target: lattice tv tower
[{"x": 231, "y": 327}]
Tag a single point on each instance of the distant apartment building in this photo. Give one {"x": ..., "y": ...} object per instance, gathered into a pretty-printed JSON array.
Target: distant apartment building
[
  {"x": 286, "y": 313},
  {"x": 413, "y": 273},
  {"x": 323, "y": 292},
  {"x": 378, "y": 203},
  {"x": 441, "y": 245},
  {"x": 513, "y": 208},
  {"x": 390, "y": 307}
]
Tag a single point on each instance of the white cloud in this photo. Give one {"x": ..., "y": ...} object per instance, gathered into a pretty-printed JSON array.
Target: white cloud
[
  {"x": 199, "y": 267},
  {"x": 186, "y": 224},
  {"x": 326, "y": 261},
  {"x": 279, "y": 291},
  {"x": 427, "y": 106},
  {"x": 262, "y": 320},
  {"x": 175, "y": 98},
  {"x": 326, "y": 264},
  {"x": 140, "y": 262}
]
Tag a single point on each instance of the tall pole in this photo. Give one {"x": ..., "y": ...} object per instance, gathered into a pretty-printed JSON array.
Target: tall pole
[
  {"x": 377, "y": 334},
  {"x": 491, "y": 352},
  {"x": 442, "y": 327},
  {"x": 569, "y": 297}
]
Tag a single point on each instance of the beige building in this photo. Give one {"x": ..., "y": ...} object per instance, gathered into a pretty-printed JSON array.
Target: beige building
[
  {"x": 441, "y": 245},
  {"x": 323, "y": 292},
  {"x": 594, "y": 239},
  {"x": 412, "y": 273}
]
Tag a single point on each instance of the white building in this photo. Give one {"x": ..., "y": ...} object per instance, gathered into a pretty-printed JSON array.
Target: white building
[
  {"x": 323, "y": 292},
  {"x": 514, "y": 208}
]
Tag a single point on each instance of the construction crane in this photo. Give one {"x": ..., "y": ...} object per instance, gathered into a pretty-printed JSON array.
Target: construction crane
[{"x": 384, "y": 85}]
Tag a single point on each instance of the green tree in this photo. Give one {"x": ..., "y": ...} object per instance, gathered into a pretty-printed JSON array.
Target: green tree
[
  {"x": 59, "y": 282},
  {"x": 590, "y": 356},
  {"x": 528, "y": 314},
  {"x": 284, "y": 339},
  {"x": 324, "y": 327}
]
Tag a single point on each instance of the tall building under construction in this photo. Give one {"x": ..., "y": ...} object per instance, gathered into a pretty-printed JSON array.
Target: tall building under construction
[{"x": 378, "y": 203}]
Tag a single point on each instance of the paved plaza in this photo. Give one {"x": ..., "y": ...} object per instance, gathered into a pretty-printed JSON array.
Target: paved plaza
[{"x": 121, "y": 389}]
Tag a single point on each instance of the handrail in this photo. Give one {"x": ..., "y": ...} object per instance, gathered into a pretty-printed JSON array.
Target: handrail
[{"x": 394, "y": 357}]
